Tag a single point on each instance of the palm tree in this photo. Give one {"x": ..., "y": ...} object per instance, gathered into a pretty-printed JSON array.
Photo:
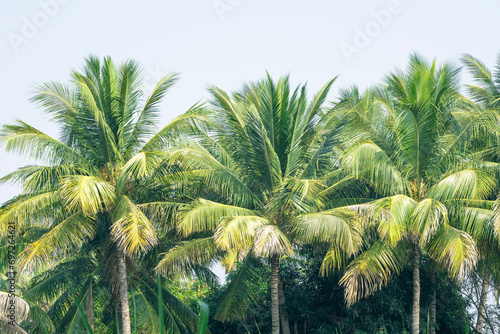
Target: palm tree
[
  {"x": 86, "y": 188},
  {"x": 261, "y": 169},
  {"x": 480, "y": 122},
  {"x": 406, "y": 153}
]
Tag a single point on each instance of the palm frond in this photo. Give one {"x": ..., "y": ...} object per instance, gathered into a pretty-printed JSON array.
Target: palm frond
[
  {"x": 204, "y": 215},
  {"x": 482, "y": 75},
  {"x": 338, "y": 226},
  {"x": 269, "y": 241},
  {"x": 372, "y": 165},
  {"x": 31, "y": 210},
  {"x": 57, "y": 100},
  {"x": 372, "y": 270},
  {"x": 146, "y": 121},
  {"x": 192, "y": 121},
  {"x": 185, "y": 257},
  {"x": 455, "y": 250},
  {"x": 334, "y": 259},
  {"x": 393, "y": 217},
  {"x": 239, "y": 296},
  {"x": 89, "y": 194},
  {"x": 237, "y": 232},
  {"x": 222, "y": 177},
  {"x": 428, "y": 216},
  {"x": 89, "y": 95},
  {"x": 131, "y": 228},
  {"x": 62, "y": 239},
  {"x": 42, "y": 178},
  {"x": 27, "y": 140},
  {"x": 465, "y": 184},
  {"x": 140, "y": 166}
]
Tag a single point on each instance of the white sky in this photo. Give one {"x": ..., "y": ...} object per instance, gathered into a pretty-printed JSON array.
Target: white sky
[{"x": 212, "y": 46}]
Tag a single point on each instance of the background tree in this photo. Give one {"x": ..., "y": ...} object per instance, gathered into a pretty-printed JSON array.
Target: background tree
[
  {"x": 479, "y": 119},
  {"x": 315, "y": 303}
]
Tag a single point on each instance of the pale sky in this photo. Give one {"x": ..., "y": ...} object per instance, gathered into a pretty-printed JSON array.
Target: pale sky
[{"x": 228, "y": 42}]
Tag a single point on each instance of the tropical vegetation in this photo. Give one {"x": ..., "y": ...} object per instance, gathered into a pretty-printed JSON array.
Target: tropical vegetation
[{"x": 372, "y": 211}]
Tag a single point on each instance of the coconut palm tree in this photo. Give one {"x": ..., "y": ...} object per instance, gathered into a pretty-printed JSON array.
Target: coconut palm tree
[
  {"x": 406, "y": 153},
  {"x": 262, "y": 166},
  {"x": 85, "y": 188},
  {"x": 479, "y": 118}
]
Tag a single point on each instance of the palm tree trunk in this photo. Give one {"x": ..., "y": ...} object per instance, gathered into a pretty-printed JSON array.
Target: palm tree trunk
[
  {"x": 415, "y": 318},
  {"x": 275, "y": 307},
  {"x": 285, "y": 323},
  {"x": 432, "y": 307},
  {"x": 125, "y": 309},
  {"x": 89, "y": 307},
  {"x": 481, "y": 311}
]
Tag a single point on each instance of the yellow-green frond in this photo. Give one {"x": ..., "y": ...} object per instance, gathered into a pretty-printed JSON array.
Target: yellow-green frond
[
  {"x": 140, "y": 166},
  {"x": 237, "y": 232},
  {"x": 42, "y": 178},
  {"x": 477, "y": 222},
  {"x": 427, "y": 218},
  {"x": 466, "y": 184},
  {"x": 184, "y": 257},
  {"x": 393, "y": 216},
  {"x": 88, "y": 194},
  {"x": 33, "y": 210},
  {"x": 205, "y": 215},
  {"x": 24, "y": 139},
  {"x": 334, "y": 259},
  {"x": 230, "y": 258},
  {"x": 62, "y": 239},
  {"x": 218, "y": 175},
  {"x": 132, "y": 229},
  {"x": 370, "y": 163},
  {"x": 496, "y": 216},
  {"x": 455, "y": 250},
  {"x": 270, "y": 240},
  {"x": 338, "y": 226},
  {"x": 191, "y": 122},
  {"x": 372, "y": 270}
]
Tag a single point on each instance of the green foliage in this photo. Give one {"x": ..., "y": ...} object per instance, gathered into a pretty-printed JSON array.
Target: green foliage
[
  {"x": 255, "y": 312},
  {"x": 318, "y": 303}
]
